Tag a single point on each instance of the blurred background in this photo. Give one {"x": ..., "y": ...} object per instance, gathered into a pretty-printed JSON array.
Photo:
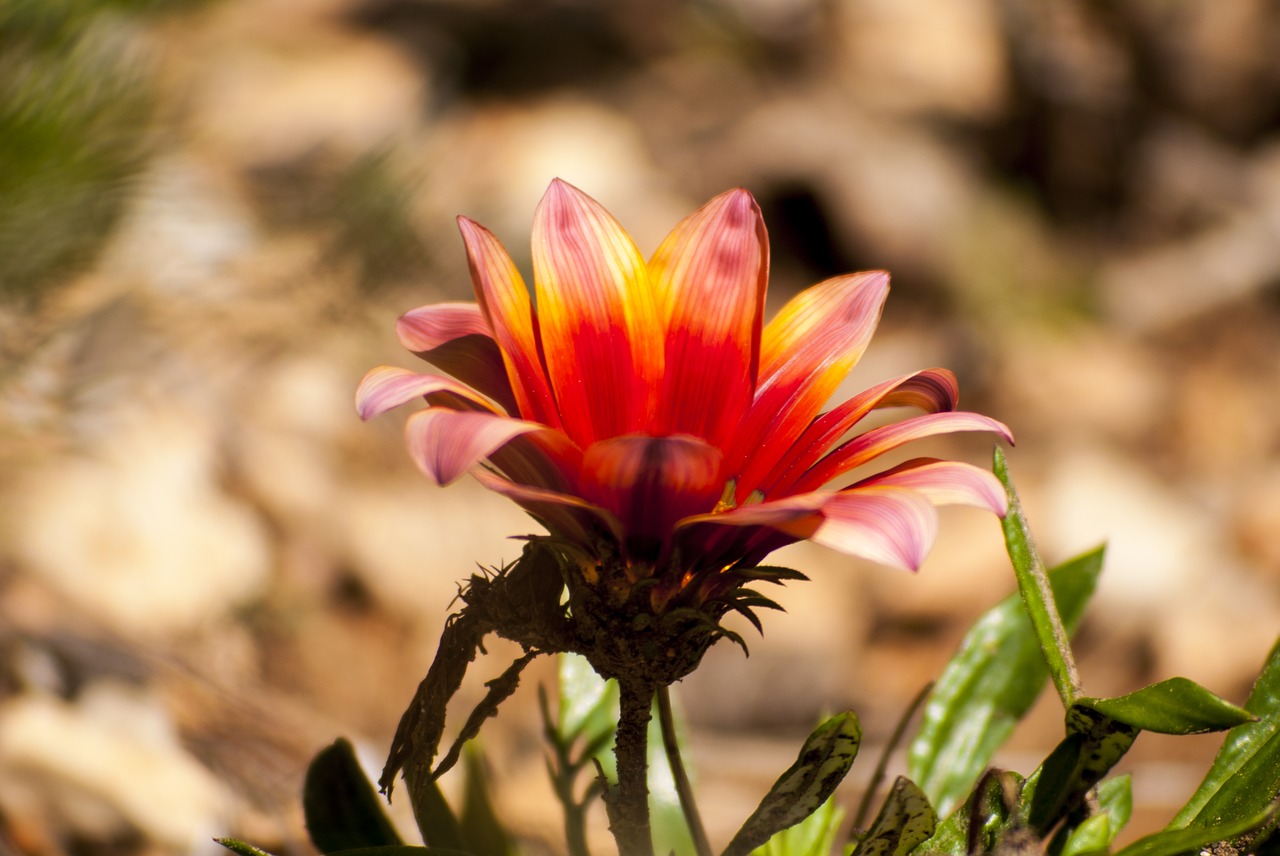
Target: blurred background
[{"x": 212, "y": 211}]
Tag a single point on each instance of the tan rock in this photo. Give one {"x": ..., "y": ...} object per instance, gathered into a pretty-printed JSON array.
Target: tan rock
[
  {"x": 1081, "y": 384},
  {"x": 1256, "y": 520},
  {"x": 1161, "y": 548},
  {"x": 334, "y": 91},
  {"x": 137, "y": 533},
  {"x": 924, "y": 56},
  {"x": 287, "y": 439},
  {"x": 412, "y": 543},
  {"x": 106, "y": 764}
]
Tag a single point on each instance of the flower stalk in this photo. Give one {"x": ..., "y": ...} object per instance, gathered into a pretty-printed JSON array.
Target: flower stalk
[
  {"x": 628, "y": 800},
  {"x": 684, "y": 789}
]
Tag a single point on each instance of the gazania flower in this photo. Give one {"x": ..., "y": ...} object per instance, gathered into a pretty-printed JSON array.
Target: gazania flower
[{"x": 646, "y": 415}]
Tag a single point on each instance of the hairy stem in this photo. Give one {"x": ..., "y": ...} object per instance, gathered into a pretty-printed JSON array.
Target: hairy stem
[
  {"x": 628, "y": 801},
  {"x": 684, "y": 790}
]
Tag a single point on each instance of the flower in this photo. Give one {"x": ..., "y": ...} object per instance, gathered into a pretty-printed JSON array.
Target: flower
[{"x": 649, "y": 419}]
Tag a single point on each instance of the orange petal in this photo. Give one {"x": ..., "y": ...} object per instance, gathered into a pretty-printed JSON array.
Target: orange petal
[
  {"x": 933, "y": 391},
  {"x": 710, "y": 275},
  {"x": 806, "y": 351},
  {"x": 386, "y": 387},
  {"x": 945, "y": 483},
  {"x": 456, "y": 338},
  {"x": 649, "y": 483},
  {"x": 504, "y": 304},
  {"x": 876, "y": 442},
  {"x": 446, "y": 443},
  {"x": 597, "y": 316}
]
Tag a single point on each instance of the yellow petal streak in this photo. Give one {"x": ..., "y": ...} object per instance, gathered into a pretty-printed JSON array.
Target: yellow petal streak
[
  {"x": 601, "y": 334},
  {"x": 710, "y": 276}
]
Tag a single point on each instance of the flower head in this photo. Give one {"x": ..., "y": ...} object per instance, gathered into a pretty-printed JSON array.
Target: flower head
[{"x": 646, "y": 415}]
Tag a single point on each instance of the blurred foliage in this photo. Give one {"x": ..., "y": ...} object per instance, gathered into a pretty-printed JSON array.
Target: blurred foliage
[
  {"x": 77, "y": 114},
  {"x": 368, "y": 212},
  {"x": 362, "y": 206}
]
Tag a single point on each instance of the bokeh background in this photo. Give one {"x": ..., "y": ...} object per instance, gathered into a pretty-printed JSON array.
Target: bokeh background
[{"x": 211, "y": 212}]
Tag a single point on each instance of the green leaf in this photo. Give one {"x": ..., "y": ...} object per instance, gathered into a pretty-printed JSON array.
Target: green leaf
[
  {"x": 670, "y": 829},
  {"x": 1175, "y": 706},
  {"x": 483, "y": 832},
  {"x": 1176, "y": 842},
  {"x": 1100, "y": 732},
  {"x": 1093, "y": 745},
  {"x": 1090, "y": 838},
  {"x": 1095, "y": 834},
  {"x": 813, "y": 836},
  {"x": 588, "y": 703},
  {"x": 905, "y": 820},
  {"x": 1115, "y": 799},
  {"x": 1245, "y": 777},
  {"x": 988, "y": 686},
  {"x": 824, "y": 760},
  {"x": 436, "y": 821},
  {"x": 1033, "y": 585},
  {"x": 341, "y": 809},
  {"x": 235, "y": 845},
  {"x": 989, "y": 815}
]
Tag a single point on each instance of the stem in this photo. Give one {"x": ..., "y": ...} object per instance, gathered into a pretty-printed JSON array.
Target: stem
[
  {"x": 564, "y": 772},
  {"x": 1037, "y": 595},
  {"x": 683, "y": 789},
  {"x": 575, "y": 829},
  {"x": 628, "y": 801},
  {"x": 883, "y": 764}
]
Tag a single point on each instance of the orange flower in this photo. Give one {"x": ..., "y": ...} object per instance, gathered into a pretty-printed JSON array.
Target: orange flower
[{"x": 645, "y": 414}]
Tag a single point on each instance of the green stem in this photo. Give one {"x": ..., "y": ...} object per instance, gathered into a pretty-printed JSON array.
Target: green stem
[
  {"x": 564, "y": 772},
  {"x": 882, "y": 765},
  {"x": 628, "y": 800},
  {"x": 684, "y": 790},
  {"x": 1037, "y": 596}
]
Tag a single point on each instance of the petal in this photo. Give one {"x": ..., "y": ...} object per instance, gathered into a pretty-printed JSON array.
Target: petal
[
  {"x": 386, "y": 387},
  {"x": 876, "y": 442},
  {"x": 456, "y": 338},
  {"x": 564, "y": 514},
  {"x": 886, "y": 524},
  {"x": 806, "y": 351},
  {"x": 710, "y": 275},
  {"x": 747, "y": 532},
  {"x": 945, "y": 483},
  {"x": 601, "y": 335},
  {"x": 773, "y": 514},
  {"x": 892, "y": 526},
  {"x": 504, "y": 303},
  {"x": 651, "y": 482},
  {"x": 546, "y": 459},
  {"x": 428, "y": 327},
  {"x": 933, "y": 390},
  {"x": 446, "y": 443}
]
